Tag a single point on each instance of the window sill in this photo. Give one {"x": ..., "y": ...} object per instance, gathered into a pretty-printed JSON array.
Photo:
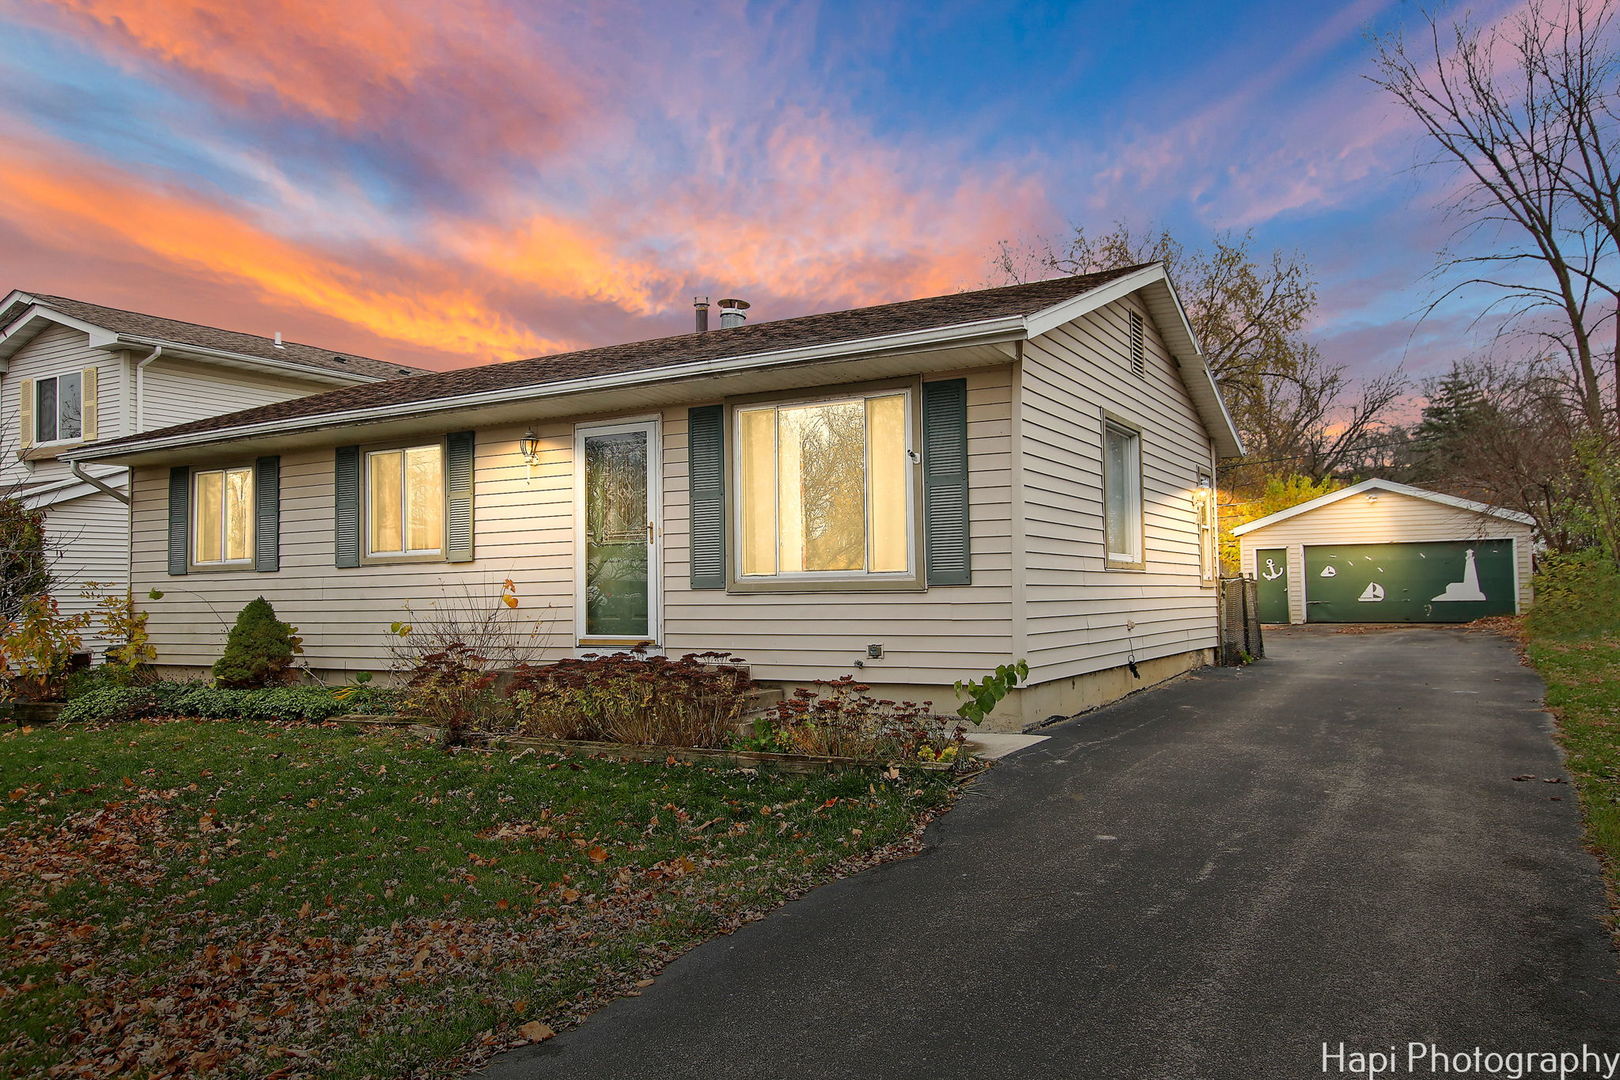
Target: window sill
[
  {"x": 1115, "y": 564},
  {"x": 831, "y": 585},
  {"x": 396, "y": 560},
  {"x": 219, "y": 568}
]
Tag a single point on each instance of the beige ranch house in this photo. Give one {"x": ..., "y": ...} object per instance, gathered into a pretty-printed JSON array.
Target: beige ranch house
[{"x": 912, "y": 493}]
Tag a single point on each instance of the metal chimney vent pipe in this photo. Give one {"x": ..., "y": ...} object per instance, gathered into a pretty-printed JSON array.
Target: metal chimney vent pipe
[
  {"x": 701, "y": 303},
  {"x": 732, "y": 313}
]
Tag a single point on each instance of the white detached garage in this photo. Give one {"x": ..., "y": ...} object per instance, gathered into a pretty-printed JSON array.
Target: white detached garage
[{"x": 1384, "y": 552}]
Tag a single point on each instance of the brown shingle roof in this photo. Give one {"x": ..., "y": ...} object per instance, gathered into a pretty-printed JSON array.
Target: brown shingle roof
[
  {"x": 749, "y": 339},
  {"x": 135, "y": 324}
]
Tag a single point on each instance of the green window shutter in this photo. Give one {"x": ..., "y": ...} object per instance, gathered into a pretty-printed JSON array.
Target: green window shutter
[
  {"x": 346, "y": 506},
  {"x": 267, "y": 514},
  {"x": 179, "y": 520},
  {"x": 945, "y": 483},
  {"x": 706, "y": 483},
  {"x": 458, "y": 496}
]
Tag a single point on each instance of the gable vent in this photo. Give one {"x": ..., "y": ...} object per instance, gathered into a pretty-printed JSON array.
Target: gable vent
[{"x": 1138, "y": 346}]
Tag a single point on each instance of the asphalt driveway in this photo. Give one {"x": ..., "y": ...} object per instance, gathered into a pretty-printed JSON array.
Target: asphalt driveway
[{"x": 1206, "y": 881}]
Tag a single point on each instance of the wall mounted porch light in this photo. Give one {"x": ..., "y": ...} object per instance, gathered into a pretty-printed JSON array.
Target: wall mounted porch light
[{"x": 529, "y": 448}]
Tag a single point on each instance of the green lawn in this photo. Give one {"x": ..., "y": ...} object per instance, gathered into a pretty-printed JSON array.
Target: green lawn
[
  {"x": 1574, "y": 641},
  {"x": 1583, "y": 685},
  {"x": 227, "y": 899}
]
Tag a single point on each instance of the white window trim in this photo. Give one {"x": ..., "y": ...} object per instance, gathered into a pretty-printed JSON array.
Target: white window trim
[
  {"x": 653, "y": 426},
  {"x": 913, "y": 572},
  {"x": 1118, "y": 560},
  {"x": 426, "y": 554},
  {"x": 74, "y": 440},
  {"x": 223, "y": 563}
]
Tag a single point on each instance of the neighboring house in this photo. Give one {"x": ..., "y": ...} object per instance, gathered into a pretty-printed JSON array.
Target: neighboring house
[
  {"x": 72, "y": 373},
  {"x": 1383, "y": 552},
  {"x": 914, "y": 493}
]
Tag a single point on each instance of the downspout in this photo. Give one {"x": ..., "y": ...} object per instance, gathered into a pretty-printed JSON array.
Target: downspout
[
  {"x": 99, "y": 485},
  {"x": 140, "y": 390}
]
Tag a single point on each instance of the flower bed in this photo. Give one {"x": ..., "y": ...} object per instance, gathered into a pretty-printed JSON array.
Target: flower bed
[{"x": 618, "y": 751}]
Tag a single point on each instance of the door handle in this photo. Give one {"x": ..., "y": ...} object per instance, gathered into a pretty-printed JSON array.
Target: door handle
[{"x": 649, "y": 532}]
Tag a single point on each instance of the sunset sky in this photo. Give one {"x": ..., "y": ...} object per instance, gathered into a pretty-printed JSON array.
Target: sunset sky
[{"x": 455, "y": 183}]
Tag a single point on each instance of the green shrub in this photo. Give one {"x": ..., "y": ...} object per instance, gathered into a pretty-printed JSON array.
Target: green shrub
[
  {"x": 99, "y": 677},
  {"x": 260, "y": 649},
  {"x": 1577, "y": 595},
  {"x": 112, "y": 703},
  {"x": 197, "y": 701}
]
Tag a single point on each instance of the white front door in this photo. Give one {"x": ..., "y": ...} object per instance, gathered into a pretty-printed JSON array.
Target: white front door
[{"x": 618, "y": 541}]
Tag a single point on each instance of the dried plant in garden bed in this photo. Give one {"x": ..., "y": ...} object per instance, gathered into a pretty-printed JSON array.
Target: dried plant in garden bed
[
  {"x": 839, "y": 718},
  {"x": 696, "y": 700}
]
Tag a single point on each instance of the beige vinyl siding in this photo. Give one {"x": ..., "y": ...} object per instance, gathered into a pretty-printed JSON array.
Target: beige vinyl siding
[
  {"x": 87, "y": 542},
  {"x": 1075, "y": 609},
  {"x": 524, "y": 530},
  {"x": 1391, "y": 518},
  {"x": 56, "y": 350},
  {"x": 178, "y": 391}
]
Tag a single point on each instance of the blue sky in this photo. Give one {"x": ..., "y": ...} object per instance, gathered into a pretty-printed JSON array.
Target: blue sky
[{"x": 451, "y": 183}]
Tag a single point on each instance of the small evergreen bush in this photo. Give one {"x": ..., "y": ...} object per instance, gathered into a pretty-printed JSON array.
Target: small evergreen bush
[{"x": 260, "y": 649}]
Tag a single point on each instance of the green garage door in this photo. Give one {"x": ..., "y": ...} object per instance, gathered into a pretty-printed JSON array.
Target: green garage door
[{"x": 1451, "y": 581}]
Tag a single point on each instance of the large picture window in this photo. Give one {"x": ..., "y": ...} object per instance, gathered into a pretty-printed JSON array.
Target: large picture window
[
  {"x": 824, "y": 488},
  {"x": 222, "y": 517},
  {"x": 405, "y": 501},
  {"x": 1122, "y": 494},
  {"x": 59, "y": 408}
]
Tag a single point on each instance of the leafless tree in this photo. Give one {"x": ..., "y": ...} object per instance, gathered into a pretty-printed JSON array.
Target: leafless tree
[
  {"x": 1525, "y": 113},
  {"x": 1296, "y": 413},
  {"x": 1318, "y": 422}
]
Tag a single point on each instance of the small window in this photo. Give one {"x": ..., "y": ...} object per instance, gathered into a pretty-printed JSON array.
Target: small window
[
  {"x": 59, "y": 408},
  {"x": 1122, "y": 494},
  {"x": 1207, "y": 510},
  {"x": 824, "y": 488},
  {"x": 405, "y": 501},
  {"x": 1138, "y": 346},
  {"x": 222, "y": 517}
]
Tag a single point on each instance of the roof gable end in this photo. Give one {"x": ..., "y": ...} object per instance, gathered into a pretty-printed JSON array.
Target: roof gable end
[{"x": 1454, "y": 501}]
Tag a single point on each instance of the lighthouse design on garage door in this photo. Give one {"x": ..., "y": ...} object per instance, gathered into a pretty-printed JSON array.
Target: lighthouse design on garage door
[{"x": 1466, "y": 590}]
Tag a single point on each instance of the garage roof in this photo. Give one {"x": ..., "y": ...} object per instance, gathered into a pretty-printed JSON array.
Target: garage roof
[{"x": 1390, "y": 486}]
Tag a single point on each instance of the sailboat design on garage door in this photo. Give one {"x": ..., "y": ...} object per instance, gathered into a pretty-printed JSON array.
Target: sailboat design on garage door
[{"x": 1446, "y": 581}]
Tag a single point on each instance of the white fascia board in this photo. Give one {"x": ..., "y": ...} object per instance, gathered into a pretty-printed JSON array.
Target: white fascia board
[
  {"x": 1392, "y": 487},
  {"x": 1005, "y": 328},
  {"x": 287, "y": 367},
  {"x": 1076, "y": 306}
]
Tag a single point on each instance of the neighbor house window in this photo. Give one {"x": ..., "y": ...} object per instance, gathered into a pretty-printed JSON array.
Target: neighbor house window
[
  {"x": 222, "y": 517},
  {"x": 405, "y": 501},
  {"x": 1122, "y": 493},
  {"x": 824, "y": 488},
  {"x": 59, "y": 408}
]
